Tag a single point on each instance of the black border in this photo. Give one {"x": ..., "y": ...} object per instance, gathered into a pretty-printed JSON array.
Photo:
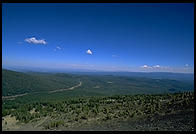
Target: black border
[{"x": 96, "y": 1}]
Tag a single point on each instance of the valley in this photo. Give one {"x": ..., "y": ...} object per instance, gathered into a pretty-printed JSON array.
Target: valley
[
  {"x": 92, "y": 102},
  {"x": 98, "y": 66}
]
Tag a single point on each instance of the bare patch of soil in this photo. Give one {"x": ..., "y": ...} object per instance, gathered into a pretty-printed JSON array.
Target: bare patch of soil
[{"x": 9, "y": 123}]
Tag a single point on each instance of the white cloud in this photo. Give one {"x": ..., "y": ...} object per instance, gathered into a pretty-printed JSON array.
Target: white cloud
[
  {"x": 156, "y": 66},
  {"x": 59, "y": 48},
  {"x": 89, "y": 52},
  {"x": 150, "y": 67},
  {"x": 187, "y": 67},
  {"x": 35, "y": 41},
  {"x": 145, "y": 66}
]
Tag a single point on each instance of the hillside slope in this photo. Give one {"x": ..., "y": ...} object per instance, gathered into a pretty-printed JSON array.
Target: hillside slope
[
  {"x": 19, "y": 83},
  {"x": 128, "y": 113}
]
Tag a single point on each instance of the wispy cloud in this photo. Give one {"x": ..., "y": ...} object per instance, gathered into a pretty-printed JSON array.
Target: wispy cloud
[
  {"x": 89, "y": 52},
  {"x": 114, "y": 56},
  {"x": 145, "y": 66},
  {"x": 187, "y": 67},
  {"x": 58, "y": 48},
  {"x": 156, "y": 66},
  {"x": 33, "y": 40},
  {"x": 150, "y": 67}
]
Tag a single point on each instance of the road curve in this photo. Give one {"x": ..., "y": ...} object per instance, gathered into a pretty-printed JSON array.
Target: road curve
[
  {"x": 14, "y": 96},
  {"x": 59, "y": 90},
  {"x": 71, "y": 88}
]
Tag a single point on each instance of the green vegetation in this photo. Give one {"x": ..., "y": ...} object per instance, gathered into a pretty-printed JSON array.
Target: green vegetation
[
  {"x": 92, "y": 85},
  {"x": 69, "y": 111},
  {"x": 18, "y": 83},
  {"x": 98, "y": 99}
]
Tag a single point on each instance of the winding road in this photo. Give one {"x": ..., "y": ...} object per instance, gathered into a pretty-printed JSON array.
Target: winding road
[
  {"x": 59, "y": 90},
  {"x": 71, "y": 88},
  {"x": 14, "y": 96}
]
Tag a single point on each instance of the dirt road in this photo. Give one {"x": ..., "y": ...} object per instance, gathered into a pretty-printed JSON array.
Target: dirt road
[
  {"x": 71, "y": 88},
  {"x": 59, "y": 90},
  {"x": 14, "y": 96}
]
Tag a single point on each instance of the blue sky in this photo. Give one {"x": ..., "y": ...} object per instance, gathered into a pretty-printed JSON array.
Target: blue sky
[{"x": 118, "y": 37}]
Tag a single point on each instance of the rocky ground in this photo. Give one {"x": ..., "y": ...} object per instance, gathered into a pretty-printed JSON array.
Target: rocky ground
[{"x": 181, "y": 121}]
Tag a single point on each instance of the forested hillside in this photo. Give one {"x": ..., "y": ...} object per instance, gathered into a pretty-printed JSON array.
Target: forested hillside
[
  {"x": 124, "y": 112},
  {"x": 18, "y": 83},
  {"x": 58, "y": 101}
]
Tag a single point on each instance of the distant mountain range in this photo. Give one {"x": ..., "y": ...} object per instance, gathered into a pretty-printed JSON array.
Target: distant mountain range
[{"x": 154, "y": 75}]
